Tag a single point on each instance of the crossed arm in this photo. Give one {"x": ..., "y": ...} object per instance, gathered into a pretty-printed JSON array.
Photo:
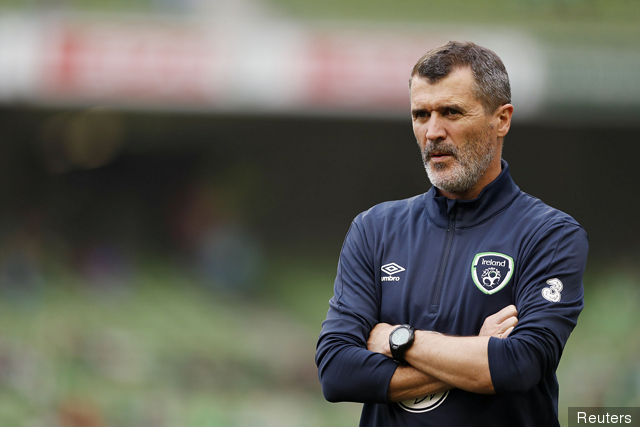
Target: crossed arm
[{"x": 439, "y": 362}]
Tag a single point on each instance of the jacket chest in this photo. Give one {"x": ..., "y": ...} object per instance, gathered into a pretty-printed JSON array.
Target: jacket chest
[{"x": 448, "y": 281}]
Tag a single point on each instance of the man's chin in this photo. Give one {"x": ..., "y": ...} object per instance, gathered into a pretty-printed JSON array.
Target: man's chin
[
  {"x": 439, "y": 181},
  {"x": 446, "y": 180},
  {"x": 440, "y": 172}
]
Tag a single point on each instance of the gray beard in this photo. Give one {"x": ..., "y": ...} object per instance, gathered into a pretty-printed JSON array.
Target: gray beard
[{"x": 469, "y": 167}]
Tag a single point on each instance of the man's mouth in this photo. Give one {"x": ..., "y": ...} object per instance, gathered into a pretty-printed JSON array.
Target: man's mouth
[{"x": 439, "y": 155}]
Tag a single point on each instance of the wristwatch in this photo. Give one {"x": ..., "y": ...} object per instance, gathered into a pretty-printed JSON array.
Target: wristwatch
[{"x": 400, "y": 339}]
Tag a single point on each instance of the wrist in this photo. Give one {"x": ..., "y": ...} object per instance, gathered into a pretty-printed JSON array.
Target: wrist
[
  {"x": 400, "y": 340},
  {"x": 423, "y": 341}
]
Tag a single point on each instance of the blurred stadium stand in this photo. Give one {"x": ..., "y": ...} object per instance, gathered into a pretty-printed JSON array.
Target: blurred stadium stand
[
  {"x": 185, "y": 89},
  {"x": 236, "y": 57}
]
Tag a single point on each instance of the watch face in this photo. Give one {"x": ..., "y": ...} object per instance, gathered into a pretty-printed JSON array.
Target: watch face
[{"x": 400, "y": 336}]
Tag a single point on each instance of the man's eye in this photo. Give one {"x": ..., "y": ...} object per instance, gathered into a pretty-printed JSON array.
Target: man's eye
[
  {"x": 420, "y": 114},
  {"x": 452, "y": 112}
]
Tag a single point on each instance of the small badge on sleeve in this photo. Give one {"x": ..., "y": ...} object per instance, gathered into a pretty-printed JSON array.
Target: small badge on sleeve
[
  {"x": 553, "y": 292},
  {"x": 491, "y": 271}
]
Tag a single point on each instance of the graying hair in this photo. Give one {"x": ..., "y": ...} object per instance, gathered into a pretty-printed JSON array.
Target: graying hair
[{"x": 492, "y": 86}]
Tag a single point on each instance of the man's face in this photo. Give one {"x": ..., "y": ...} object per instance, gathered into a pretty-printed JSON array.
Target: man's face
[{"x": 458, "y": 139}]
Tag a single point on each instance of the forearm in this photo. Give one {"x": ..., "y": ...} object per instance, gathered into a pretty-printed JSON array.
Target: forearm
[
  {"x": 444, "y": 362},
  {"x": 349, "y": 373},
  {"x": 409, "y": 383},
  {"x": 461, "y": 362}
]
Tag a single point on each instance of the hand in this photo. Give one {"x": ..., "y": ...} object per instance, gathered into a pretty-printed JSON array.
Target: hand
[
  {"x": 378, "y": 341},
  {"x": 500, "y": 324}
]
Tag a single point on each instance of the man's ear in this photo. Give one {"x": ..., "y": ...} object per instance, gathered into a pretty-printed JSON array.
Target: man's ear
[{"x": 503, "y": 119}]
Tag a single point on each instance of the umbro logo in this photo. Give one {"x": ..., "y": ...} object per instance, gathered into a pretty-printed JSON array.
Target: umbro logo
[{"x": 391, "y": 269}]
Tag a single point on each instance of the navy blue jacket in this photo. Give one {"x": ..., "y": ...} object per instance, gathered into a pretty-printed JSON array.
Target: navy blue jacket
[{"x": 445, "y": 265}]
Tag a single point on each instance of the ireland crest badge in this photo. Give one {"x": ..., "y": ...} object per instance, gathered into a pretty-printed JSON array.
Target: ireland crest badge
[{"x": 491, "y": 271}]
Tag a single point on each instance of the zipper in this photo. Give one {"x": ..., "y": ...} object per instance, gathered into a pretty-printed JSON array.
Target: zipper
[{"x": 437, "y": 291}]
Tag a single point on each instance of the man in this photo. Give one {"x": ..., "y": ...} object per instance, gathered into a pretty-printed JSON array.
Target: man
[{"x": 452, "y": 308}]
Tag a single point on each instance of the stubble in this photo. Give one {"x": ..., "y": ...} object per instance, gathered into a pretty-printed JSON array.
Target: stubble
[{"x": 470, "y": 161}]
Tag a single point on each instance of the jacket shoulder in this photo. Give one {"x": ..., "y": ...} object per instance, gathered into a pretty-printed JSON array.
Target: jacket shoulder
[
  {"x": 535, "y": 210},
  {"x": 391, "y": 211}
]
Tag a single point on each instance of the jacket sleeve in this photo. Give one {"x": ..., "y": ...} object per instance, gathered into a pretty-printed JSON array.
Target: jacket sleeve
[
  {"x": 347, "y": 370},
  {"x": 549, "y": 298}
]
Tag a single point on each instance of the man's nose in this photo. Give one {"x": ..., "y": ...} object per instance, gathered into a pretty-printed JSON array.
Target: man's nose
[{"x": 435, "y": 128}]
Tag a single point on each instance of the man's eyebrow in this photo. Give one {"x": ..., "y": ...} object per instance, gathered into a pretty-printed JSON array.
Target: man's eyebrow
[{"x": 452, "y": 106}]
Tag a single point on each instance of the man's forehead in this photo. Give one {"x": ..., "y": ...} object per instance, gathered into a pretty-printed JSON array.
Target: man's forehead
[{"x": 456, "y": 86}]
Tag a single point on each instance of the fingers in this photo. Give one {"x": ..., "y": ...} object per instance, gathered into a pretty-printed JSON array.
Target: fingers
[
  {"x": 501, "y": 323},
  {"x": 507, "y": 324},
  {"x": 506, "y": 313},
  {"x": 506, "y": 333},
  {"x": 507, "y": 320}
]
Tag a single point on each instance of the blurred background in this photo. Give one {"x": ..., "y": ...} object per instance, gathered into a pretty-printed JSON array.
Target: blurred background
[{"x": 177, "y": 176}]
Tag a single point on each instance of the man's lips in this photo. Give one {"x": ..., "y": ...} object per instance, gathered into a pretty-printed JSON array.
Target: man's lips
[{"x": 439, "y": 155}]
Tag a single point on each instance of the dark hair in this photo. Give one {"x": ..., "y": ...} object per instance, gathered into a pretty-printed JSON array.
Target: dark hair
[{"x": 491, "y": 79}]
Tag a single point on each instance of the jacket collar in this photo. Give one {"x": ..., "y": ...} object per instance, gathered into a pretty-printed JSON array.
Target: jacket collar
[{"x": 496, "y": 196}]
